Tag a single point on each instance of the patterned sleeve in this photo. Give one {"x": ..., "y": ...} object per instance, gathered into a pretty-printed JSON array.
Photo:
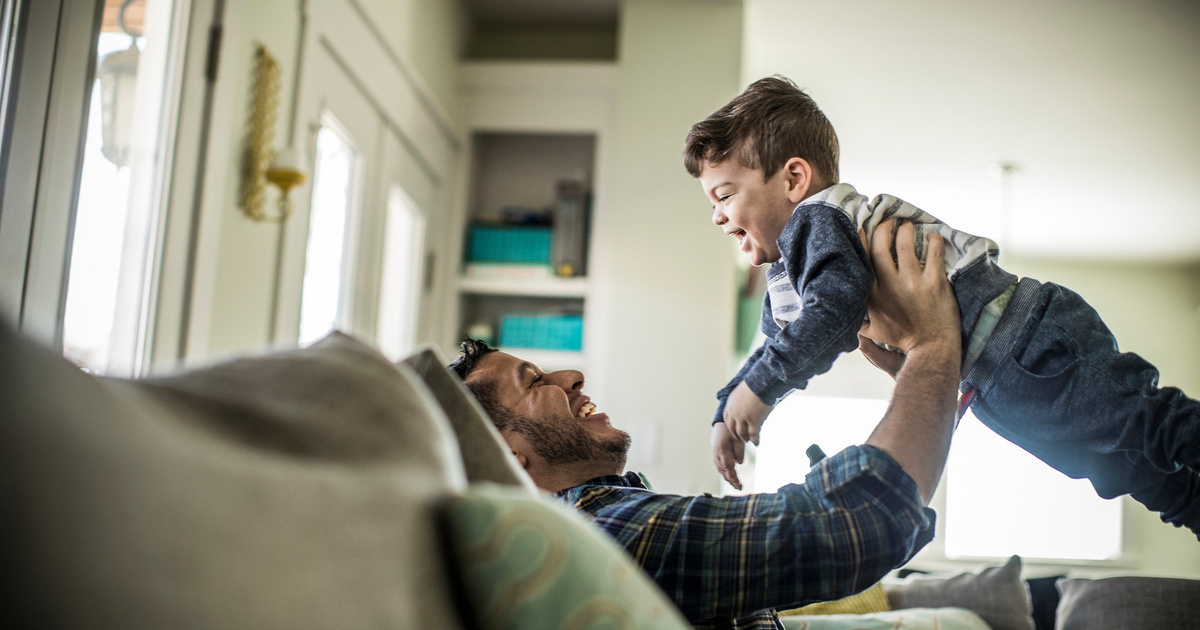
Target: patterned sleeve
[
  {"x": 856, "y": 517},
  {"x": 830, "y": 270}
]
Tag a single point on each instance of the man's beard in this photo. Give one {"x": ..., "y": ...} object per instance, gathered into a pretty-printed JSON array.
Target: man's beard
[{"x": 567, "y": 442}]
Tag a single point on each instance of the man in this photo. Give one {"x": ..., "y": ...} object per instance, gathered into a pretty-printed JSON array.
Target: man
[{"x": 727, "y": 562}]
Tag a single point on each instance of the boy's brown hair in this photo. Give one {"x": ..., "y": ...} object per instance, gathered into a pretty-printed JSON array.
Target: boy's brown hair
[{"x": 762, "y": 128}]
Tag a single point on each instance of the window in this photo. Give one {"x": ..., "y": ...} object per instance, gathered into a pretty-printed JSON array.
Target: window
[
  {"x": 800, "y": 420},
  {"x": 1001, "y": 501},
  {"x": 322, "y": 304},
  {"x": 400, "y": 290},
  {"x": 7, "y": 7},
  {"x": 120, "y": 196}
]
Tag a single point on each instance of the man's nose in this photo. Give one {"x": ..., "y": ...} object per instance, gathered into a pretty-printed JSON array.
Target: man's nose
[{"x": 569, "y": 380}]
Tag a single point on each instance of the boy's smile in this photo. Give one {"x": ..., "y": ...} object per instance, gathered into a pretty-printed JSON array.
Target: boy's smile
[{"x": 750, "y": 209}]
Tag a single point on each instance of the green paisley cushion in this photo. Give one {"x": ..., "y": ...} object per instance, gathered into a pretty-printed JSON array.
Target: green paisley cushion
[{"x": 525, "y": 563}]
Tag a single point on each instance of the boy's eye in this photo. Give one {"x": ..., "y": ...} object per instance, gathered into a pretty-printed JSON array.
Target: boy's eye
[{"x": 723, "y": 198}]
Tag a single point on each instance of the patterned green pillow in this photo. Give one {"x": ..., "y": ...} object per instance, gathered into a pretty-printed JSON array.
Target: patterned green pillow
[{"x": 526, "y": 563}]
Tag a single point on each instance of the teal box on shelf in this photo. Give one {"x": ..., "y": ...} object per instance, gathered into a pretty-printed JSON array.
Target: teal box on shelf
[
  {"x": 509, "y": 243},
  {"x": 542, "y": 332}
]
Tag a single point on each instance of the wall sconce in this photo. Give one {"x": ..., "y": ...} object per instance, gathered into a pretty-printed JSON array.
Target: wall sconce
[
  {"x": 260, "y": 163},
  {"x": 117, "y": 74},
  {"x": 286, "y": 172}
]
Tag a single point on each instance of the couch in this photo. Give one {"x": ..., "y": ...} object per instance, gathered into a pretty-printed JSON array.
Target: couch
[
  {"x": 316, "y": 488},
  {"x": 324, "y": 488},
  {"x": 999, "y": 598}
]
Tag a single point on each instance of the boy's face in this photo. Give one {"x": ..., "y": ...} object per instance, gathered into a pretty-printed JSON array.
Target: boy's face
[{"x": 747, "y": 208}]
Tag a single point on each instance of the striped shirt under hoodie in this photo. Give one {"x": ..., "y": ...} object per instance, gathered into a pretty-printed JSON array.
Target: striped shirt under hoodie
[{"x": 817, "y": 292}]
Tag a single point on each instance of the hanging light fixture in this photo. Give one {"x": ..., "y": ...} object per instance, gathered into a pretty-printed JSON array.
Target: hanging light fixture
[{"x": 117, "y": 74}]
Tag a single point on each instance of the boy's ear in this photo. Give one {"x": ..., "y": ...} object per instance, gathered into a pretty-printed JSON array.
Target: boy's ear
[{"x": 798, "y": 175}]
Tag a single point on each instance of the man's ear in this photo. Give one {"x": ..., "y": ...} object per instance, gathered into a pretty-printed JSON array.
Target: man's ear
[
  {"x": 798, "y": 176},
  {"x": 517, "y": 446}
]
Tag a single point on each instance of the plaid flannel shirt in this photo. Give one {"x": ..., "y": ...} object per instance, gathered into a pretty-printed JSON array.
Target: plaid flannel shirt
[{"x": 729, "y": 562}]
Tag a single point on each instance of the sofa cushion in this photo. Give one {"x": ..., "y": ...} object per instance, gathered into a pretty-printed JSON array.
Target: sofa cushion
[
  {"x": 294, "y": 490},
  {"x": 528, "y": 564},
  {"x": 1128, "y": 603},
  {"x": 872, "y": 600},
  {"x": 486, "y": 457},
  {"x": 996, "y": 593}
]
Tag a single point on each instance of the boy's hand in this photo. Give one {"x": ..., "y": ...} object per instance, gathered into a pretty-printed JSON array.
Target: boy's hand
[
  {"x": 727, "y": 451},
  {"x": 745, "y": 413}
]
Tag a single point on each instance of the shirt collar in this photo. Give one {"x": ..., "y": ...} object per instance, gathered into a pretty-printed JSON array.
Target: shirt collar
[{"x": 630, "y": 479}]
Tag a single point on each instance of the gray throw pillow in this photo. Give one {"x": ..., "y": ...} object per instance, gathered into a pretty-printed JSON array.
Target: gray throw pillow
[
  {"x": 997, "y": 594},
  {"x": 294, "y": 490},
  {"x": 1128, "y": 603},
  {"x": 486, "y": 457}
]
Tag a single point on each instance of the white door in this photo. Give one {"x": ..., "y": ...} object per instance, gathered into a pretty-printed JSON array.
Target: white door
[
  {"x": 404, "y": 283},
  {"x": 321, "y": 286},
  {"x": 355, "y": 254}
]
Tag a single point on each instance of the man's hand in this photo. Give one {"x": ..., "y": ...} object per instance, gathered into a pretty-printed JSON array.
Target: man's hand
[
  {"x": 745, "y": 413},
  {"x": 910, "y": 305},
  {"x": 914, "y": 309},
  {"x": 889, "y": 361},
  {"x": 727, "y": 451}
]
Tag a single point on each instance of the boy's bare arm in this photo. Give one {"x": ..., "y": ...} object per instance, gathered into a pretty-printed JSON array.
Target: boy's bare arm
[{"x": 914, "y": 309}]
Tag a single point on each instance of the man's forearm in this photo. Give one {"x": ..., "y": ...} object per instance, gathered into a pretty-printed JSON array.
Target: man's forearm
[{"x": 916, "y": 429}]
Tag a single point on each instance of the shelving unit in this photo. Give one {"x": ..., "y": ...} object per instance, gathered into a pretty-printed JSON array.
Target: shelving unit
[{"x": 535, "y": 130}]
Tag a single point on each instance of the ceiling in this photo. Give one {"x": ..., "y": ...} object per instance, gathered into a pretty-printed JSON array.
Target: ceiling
[{"x": 1096, "y": 101}]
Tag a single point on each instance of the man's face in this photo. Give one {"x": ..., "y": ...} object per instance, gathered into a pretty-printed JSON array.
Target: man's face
[
  {"x": 747, "y": 208},
  {"x": 551, "y": 411}
]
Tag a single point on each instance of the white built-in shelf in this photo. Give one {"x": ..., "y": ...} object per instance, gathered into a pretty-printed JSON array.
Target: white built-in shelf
[
  {"x": 546, "y": 287},
  {"x": 549, "y": 360}
]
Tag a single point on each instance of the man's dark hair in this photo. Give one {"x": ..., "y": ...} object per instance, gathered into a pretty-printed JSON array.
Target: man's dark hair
[
  {"x": 762, "y": 128},
  {"x": 472, "y": 351},
  {"x": 484, "y": 391}
]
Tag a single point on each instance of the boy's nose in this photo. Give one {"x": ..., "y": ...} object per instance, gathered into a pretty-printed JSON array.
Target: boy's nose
[{"x": 719, "y": 217}]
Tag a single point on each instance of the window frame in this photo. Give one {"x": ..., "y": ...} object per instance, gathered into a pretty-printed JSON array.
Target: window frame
[{"x": 48, "y": 70}]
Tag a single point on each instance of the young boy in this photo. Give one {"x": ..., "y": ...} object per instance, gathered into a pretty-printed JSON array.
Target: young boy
[{"x": 1039, "y": 367}]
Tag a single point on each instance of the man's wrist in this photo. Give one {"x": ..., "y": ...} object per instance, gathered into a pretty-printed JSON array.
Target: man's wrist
[{"x": 936, "y": 350}]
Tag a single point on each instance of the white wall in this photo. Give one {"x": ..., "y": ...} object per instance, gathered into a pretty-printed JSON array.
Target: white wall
[
  {"x": 429, "y": 35},
  {"x": 236, "y": 274},
  {"x": 669, "y": 273}
]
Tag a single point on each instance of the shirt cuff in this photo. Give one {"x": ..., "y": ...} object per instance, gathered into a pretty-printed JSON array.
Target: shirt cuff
[{"x": 893, "y": 489}]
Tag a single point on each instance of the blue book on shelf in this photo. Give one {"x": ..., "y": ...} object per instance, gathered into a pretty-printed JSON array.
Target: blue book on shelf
[
  {"x": 542, "y": 332},
  {"x": 507, "y": 243}
]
